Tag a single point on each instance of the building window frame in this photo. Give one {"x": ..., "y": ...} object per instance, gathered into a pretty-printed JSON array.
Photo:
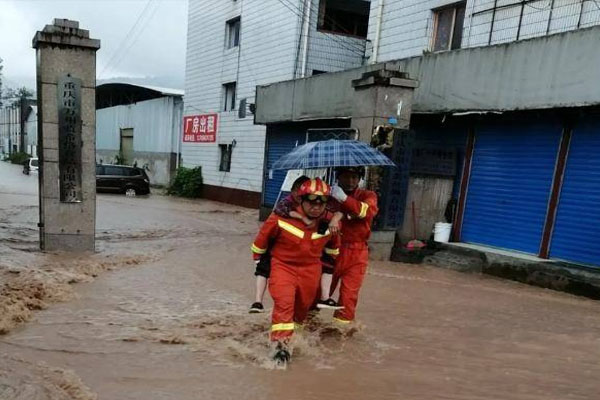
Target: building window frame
[
  {"x": 455, "y": 11},
  {"x": 233, "y": 31},
  {"x": 226, "y": 151},
  {"x": 229, "y": 96},
  {"x": 327, "y": 24}
]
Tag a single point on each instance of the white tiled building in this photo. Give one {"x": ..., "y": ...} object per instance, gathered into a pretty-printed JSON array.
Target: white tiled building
[
  {"x": 235, "y": 45},
  {"x": 407, "y": 28}
]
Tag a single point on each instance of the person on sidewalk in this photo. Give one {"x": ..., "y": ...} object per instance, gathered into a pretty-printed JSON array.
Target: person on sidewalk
[
  {"x": 298, "y": 252},
  {"x": 286, "y": 208},
  {"x": 360, "y": 208}
]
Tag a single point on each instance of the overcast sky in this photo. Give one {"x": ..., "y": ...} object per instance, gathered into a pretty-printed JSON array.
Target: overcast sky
[{"x": 153, "y": 50}]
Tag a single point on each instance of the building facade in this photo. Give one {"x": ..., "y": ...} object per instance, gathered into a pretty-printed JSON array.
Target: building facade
[
  {"x": 408, "y": 28},
  {"x": 505, "y": 135},
  {"x": 141, "y": 126},
  {"x": 10, "y": 130},
  {"x": 234, "y": 46}
]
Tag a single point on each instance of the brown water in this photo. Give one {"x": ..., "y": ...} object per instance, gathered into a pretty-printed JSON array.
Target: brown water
[{"x": 166, "y": 318}]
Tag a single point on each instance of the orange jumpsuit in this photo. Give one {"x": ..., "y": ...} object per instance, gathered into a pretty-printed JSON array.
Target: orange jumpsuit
[
  {"x": 351, "y": 265},
  {"x": 297, "y": 255}
]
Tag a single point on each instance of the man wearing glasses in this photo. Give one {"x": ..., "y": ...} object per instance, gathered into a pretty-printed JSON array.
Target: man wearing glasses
[{"x": 298, "y": 253}]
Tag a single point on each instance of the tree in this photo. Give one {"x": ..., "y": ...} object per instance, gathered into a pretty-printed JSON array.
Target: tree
[{"x": 19, "y": 95}]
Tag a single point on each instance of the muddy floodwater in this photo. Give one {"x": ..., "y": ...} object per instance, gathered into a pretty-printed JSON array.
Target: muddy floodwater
[{"x": 160, "y": 312}]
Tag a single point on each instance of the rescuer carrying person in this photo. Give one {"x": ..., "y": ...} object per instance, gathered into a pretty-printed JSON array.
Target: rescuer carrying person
[
  {"x": 298, "y": 253},
  {"x": 360, "y": 208}
]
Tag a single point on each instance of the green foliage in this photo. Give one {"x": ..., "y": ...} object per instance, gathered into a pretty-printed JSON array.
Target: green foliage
[
  {"x": 18, "y": 158},
  {"x": 16, "y": 96},
  {"x": 120, "y": 159},
  {"x": 187, "y": 182}
]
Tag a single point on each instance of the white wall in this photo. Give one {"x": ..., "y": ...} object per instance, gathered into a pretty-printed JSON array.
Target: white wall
[
  {"x": 31, "y": 126},
  {"x": 155, "y": 123},
  {"x": 407, "y": 25},
  {"x": 269, "y": 40}
]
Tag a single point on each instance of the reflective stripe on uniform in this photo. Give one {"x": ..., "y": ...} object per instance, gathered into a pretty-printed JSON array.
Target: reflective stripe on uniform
[
  {"x": 257, "y": 250},
  {"x": 341, "y": 321},
  {"x": 287, "y": 326},
  {"x": 286, "y": 226},
  {"x": 332, "y": 252},
  {"x": 364, "y": 207},
  {"x": 319, "y": 236}
]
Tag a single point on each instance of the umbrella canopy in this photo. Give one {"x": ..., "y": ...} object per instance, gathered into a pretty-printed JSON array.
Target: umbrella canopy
[{"x": 332, "y": 153}]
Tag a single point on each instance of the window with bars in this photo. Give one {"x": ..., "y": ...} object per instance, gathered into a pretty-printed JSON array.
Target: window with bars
[{"x": 448, "y": 26}]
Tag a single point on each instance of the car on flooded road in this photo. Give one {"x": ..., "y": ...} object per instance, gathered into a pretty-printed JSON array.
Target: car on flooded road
[
  {"x": 122, "y": 179},
  {"x": 31, "y": 165}
]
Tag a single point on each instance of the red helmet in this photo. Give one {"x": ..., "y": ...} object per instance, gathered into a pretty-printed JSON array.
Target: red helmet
[{"x": 314, "y": 187}]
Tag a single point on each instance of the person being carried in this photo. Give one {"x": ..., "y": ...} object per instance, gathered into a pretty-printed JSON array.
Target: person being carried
[
  {"x": 298, "y": 252},
  {"x": 287, "y": 208}
]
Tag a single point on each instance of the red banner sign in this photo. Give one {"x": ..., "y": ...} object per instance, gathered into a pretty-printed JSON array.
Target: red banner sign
[{"x": 200, "y": 128}]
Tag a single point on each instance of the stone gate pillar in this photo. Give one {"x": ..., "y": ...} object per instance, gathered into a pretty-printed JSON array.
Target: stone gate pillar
[
  {"x": 383, "y": 102},
  {"x": 66, "y": 92}
]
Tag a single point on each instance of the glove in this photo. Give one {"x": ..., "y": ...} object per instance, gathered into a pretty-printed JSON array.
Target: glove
[{"x": 338, "y": 194}]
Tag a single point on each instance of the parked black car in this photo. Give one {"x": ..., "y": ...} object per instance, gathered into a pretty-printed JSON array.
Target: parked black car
[{"x": 121, "y": 179}]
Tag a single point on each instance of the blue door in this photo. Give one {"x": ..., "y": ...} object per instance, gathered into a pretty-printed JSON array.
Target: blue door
[
  {"x": 509, "y": 188},
  {"x": 278, "y": 144},
  {"x": 576, "y": 235}
]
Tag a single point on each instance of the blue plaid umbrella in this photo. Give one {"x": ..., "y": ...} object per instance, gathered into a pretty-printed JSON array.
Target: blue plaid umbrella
[{"x": 332, "y": 153}]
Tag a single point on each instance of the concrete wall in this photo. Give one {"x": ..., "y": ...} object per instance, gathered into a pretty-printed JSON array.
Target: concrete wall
[
  {"x": 407, "y": 26},
  {"x": 554, "y": 71}
]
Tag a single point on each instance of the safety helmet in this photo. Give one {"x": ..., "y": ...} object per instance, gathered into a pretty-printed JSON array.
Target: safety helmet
[
  {"x": 355, "y": 170},
  {"x": 314, "y": 189}
]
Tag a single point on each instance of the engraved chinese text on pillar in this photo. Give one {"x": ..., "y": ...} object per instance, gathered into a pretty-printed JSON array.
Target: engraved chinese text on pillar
[{"x": 69, "y": 139}]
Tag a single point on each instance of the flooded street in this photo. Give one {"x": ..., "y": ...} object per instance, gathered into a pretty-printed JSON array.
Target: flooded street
[{"x": 160, "y": 312}]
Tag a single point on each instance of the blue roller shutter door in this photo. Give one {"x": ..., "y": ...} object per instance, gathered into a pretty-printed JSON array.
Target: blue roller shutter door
[
  {"x": 576, "y": 235},
  {"x": 511, "y": 178},
  {"x": 278, "y": 144}
]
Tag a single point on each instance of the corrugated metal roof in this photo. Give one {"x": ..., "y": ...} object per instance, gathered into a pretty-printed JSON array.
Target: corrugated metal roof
[{"x": 162, "y": 90}]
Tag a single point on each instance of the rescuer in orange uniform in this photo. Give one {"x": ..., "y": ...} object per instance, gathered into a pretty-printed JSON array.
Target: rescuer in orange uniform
[
  {"x": 360, "y": 207},
  {"x": 298, "y": 253}
]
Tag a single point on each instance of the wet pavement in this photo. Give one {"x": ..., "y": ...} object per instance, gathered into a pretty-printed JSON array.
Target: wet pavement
[{"x": 160, "y": 312}]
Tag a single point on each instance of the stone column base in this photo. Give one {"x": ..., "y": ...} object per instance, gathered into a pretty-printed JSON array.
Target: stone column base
[{"x": 67, "y": 242}]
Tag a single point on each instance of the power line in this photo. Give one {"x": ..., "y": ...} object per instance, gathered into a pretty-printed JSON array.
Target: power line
[{"x": 128, "y": 38}]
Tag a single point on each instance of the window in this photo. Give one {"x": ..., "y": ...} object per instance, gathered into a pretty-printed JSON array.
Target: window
[
  {"x": 225, "y": 164},
  {"x": 229, "y": 96},
  {"x": 114, "y": 171},
  {"x": 345, "y": 17},
  {"x": 232, "y": 33},
  {"x": 448, "y": 27}
]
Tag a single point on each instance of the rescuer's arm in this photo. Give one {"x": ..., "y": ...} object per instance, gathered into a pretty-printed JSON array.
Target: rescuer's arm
[{"x": 268, "y": 231}]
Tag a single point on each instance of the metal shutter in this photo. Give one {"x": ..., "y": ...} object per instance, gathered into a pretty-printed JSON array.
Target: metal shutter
[
  {"x": 511, "y": 178},
  {"x": 278, "y": 144},
  {"x": 576, "y": 234}
]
